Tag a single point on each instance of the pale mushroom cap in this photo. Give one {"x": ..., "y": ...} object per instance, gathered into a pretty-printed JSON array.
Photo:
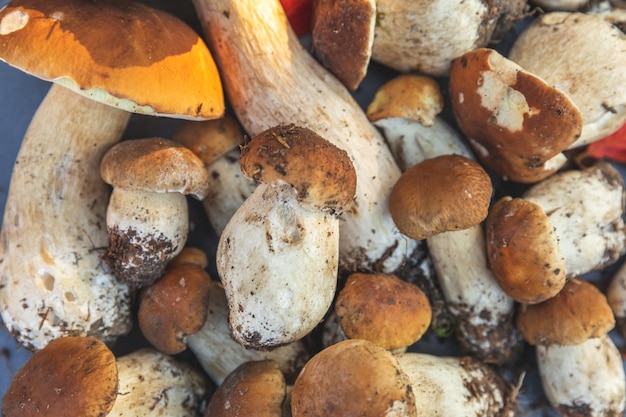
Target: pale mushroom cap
[
  {"x": 342, "y": 36},
  {"x": 155, "y": 164},
  {"x": 352, "y": 377},
  {"x": 321, "y": 173},
  {"x": 383, "y": 309},
  {"x": 448, "y": 192},
  {"x": 71, "y": 376},
  {"x": 120, "y": 53},
  {"x": 578, "y": 312},
  {"x": 523, "y": 251},
  {"x": 516, "y": 122}
]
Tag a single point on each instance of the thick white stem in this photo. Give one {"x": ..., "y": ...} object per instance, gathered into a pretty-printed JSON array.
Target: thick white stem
[
  {"x": 52, "y": 279},
  {"x": 271, "y": 79}
]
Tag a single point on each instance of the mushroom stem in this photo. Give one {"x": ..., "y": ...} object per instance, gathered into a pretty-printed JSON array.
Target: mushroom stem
[
  {"x": 271, "y": 79},
  {"x": 52, "y": 278}
]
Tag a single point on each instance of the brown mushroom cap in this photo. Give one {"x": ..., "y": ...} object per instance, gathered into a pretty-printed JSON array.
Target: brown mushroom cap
[
  {"x": 523, "y": 251},
  {"x": 322, "y": 174},
  {"x": 448, "y": 192},
  {"x": 342, "y": 35},
  {"x": 121, "y": 53},
  {"x": 515, "y": 121},
  {"x": 578, "y": 312},
  {"x": 255, "y": 388},
  {"x": 155, "y": 164},
  {"x": 71, "y": 376},
  {"x": 383, "y": 309},
  {"x": 353, "y": 377}
]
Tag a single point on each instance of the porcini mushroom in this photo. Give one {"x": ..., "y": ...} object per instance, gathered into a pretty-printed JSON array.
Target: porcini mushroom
[
  {"x": 616, "y": 295},
  {"x": 270, "y": 79},
  {"x": 147, "y": 216},
  {"x": 52, "y": 279},
  {"x": 278, "y": 255}
]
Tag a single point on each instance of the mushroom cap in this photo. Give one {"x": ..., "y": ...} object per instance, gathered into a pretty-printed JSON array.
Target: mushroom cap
[
  {"x": 254, "y": 388},
  {"x": 578, "y": 312},
  {"x": 353, "y": 377},
  {"x": 410, "y": 96},
  {"x": 321, "y": 173},
  {"x": 523, "y": 251},
  {"x": 448, "y": 192},
  {"x": 73, "y": 376},
  {"x": 342, "y": 36},
  {"x": 190, "y": 255},
  {"x": 383, "y": 309},
  {"x": 157, "y": 165},
  {"x": 516, "y": 122},
  {"x": 121, "y": 53}
]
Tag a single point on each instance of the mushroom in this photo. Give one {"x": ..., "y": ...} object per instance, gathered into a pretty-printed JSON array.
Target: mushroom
[
  {"x": 278, "y": 255},
  {"x": 270, "y": 79},
  {"x": 353, "y": 377},
  {"x": 147, "y": 216},
  {"x": 517, "y": 123},
  {"x": 557, "y": 47},
  {"x": 52, "y": 279},
  {"x": 383, "y": 309},
  {"x": 616, "y": 294}
]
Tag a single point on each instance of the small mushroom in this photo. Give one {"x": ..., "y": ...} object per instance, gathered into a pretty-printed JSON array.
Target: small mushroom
[
  {"x": 147, "y": 215},
  {"x": 616, "y": 294}
]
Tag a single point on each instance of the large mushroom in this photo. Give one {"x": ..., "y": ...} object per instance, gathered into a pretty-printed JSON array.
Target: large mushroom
[{"x": 113, "y": 57}]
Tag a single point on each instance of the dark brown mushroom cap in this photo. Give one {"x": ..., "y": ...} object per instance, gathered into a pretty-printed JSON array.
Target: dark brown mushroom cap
[
  {"x": 175, "y": 306},
  {"x": 150, "y": 60},
  {"x": 321, "y": 173},
  {"x": 383, "y": 309},
  {"x": 515, "y": 121},
  {"x": 353, "y": 377},
  {"x": 523, "y": 251},
  {"x": 155, "y": 164},
  {"x": 342, "y": 35},
  {"x": 578, "y": 312},
  {"x": 445, "y": 193},
  {"x": 71, "y": 376},
  {"x": 254, "y": 388}
]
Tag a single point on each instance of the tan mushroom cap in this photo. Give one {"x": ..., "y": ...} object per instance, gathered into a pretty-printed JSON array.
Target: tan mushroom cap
[
  {"x": 516, "y": 122},
  {"x": 254, "y": 388},
  {"x": 342, "y": 36},
  {"x": 353, "y": 377},
  {"x": 383, "y": 309},
  {"x": 71, "y": 376},
  {"x": 578, "y": 312},
  {"x": 321, "y": 173},
  {"x": 523, "y": 251},
  {"x": 410, "y": 96},
  {"x": 120, "y": 53},
  {"x": 174, "y": 307},
  {"x": 155, "y": 164},
  {"x": 190, "y": 255},
  {"x": 448, "y": 192}
]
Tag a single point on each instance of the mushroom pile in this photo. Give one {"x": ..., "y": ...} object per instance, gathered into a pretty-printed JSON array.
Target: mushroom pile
[{"x": 393, "y": 215}]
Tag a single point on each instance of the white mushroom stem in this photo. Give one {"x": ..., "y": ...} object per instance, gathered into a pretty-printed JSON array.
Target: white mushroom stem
[
  {"x": 456, "y": 386},
  {"x": 270, "y": 79},
  {"x": 53, "y": 282},
  {"x": 154, "y": 384},
  {"x": 483, "y": 310},
  {"x": 585, "y": 208},
  {"x": 278, "y": 262},
  {"x": 219, "y": 354},
  {"x": 586, "y": 379},
  {"x": 616, "y": 295}
]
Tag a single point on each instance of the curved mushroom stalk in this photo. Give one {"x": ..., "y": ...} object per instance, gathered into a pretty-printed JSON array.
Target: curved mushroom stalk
[
  {"x": 271, "y": 79},
  {"x": 52, "y": 279},
  {"x": 583, "y": 379}
]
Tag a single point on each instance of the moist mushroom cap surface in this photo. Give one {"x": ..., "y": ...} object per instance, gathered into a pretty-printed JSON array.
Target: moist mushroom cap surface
[
  {"x": 578, "y": 312},
  {"x": 321, "y": 173},
  {"x": 121, "y": 53},
  {"x": 155, "y": 164},
  {"x": 71, "y": 376},
  {"x": 448, "y": 192}
]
